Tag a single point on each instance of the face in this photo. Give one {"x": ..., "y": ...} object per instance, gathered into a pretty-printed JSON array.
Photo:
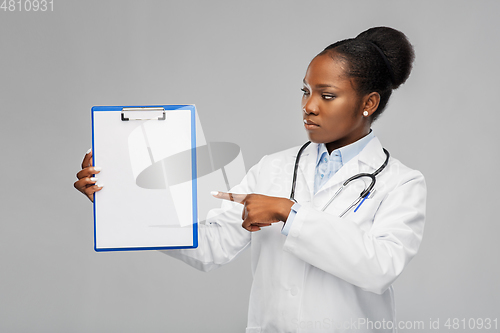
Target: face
[{"x": 332, "y": 109}]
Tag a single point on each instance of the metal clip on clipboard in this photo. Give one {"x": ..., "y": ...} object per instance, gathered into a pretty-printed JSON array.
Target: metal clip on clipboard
[{"x": 143, "y": 113}]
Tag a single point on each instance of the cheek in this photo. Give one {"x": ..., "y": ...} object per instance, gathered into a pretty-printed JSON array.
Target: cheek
[
  {"x": 303, "y": 101},
  {"x": 346, "y": 111},
  {"x": 338, "y": 113}
]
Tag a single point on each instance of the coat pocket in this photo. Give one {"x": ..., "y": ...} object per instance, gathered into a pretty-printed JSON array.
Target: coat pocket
[{"x": 363, "y": 214}]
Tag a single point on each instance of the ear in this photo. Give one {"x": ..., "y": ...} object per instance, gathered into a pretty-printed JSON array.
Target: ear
[{"x": 370, "y": 103}]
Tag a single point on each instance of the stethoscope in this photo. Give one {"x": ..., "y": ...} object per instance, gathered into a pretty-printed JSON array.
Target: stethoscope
[{"x": 362, "y": 196}]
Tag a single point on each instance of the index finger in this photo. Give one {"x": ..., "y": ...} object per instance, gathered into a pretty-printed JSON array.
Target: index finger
[
  {"x": 239, "y": 198},
  {"x": 87, "y": 160}
]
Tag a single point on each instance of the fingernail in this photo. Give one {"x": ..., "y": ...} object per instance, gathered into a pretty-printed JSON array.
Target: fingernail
[
  {"x": 100, "y": 185},
  {"x": 88, "y": 151},
  {"x": 214, "y": 193},
  {"x": 97, "y": 168},
  {"x": 93, "y": 179}
]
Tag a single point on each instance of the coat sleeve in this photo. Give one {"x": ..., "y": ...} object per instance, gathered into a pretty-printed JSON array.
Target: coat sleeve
[
  {"x": 222, "y": 237},
  {"x": 370, "y": 259}
]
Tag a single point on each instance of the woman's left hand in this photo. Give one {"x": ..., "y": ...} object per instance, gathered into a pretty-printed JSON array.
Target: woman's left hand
[{"x": 259, "y": 210}]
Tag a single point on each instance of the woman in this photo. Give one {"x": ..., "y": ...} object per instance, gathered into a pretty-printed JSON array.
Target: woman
[{"x": 317, "y": 271}]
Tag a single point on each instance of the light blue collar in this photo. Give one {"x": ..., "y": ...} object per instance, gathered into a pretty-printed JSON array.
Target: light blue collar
[{"x": 346, "y": 153}]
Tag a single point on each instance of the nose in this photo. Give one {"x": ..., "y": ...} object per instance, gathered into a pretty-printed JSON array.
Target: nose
[{"x": 309, "y": 107}]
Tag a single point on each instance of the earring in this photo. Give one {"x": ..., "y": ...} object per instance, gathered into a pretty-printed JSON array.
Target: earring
[{"x": 365, "y": 113}]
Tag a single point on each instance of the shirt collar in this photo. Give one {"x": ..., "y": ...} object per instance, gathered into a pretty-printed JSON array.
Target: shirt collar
[{"x": 346, "y": 153}]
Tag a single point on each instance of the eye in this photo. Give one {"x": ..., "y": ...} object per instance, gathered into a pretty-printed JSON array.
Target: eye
[
  {"x": 328, "y": 96},
  {"x": 305, "y": 91}
]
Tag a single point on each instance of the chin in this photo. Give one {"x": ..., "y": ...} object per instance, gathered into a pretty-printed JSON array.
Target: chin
[{"x": 315, "y": 139}]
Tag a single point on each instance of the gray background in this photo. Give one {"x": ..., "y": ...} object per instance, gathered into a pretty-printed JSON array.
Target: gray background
[{"x": 241, "y": 63}]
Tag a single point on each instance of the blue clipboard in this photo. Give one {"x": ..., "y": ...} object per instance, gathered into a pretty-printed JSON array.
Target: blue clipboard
[{"x": 149, "y": 176}]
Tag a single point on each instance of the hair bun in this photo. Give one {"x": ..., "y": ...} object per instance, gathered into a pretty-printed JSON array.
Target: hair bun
[{"x": 397, "y": 49}]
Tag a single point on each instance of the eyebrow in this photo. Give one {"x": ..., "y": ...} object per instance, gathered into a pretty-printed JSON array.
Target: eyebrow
[{"x": 321, "y": 85}]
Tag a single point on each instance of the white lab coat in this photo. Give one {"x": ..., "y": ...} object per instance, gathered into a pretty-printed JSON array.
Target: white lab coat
[{"x": 329, "y": 274}]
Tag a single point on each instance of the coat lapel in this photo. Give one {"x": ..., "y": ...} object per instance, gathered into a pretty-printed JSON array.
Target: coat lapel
[
  {"x": 372, "y": 156},
  {"x": 306, "y": 169}
]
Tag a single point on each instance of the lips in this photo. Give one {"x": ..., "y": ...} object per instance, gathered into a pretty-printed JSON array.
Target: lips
[{"x": 309, "y": 125}]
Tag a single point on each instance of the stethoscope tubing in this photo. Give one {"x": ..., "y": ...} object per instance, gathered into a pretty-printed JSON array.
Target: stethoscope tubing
[
  {"x": 294, "y": 180},
  {"x": 363, "y": 195}
]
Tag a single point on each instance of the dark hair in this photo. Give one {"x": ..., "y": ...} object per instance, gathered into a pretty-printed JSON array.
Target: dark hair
[{"x": 379, "y": 59}]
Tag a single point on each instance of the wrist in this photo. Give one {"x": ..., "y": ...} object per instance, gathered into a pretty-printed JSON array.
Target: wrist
[{"x": 286, "y": 207}]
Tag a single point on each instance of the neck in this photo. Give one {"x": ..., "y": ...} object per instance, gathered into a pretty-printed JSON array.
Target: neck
[{"x": 331, "y": 146}]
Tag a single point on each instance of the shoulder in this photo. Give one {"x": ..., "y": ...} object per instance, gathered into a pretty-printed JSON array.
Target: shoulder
[
  {"x": 396, "y": 166},
  {"x": 374, "y": 154},
  {"x": 287, "y": 156},
  {"x": 289, "y": 152},
  {"x": 402, "y": 181},
  {"x": 395, "y": 174},
  {"x": 276, "y": 165},
  {"x": 402, "y": 176},
  {"x": 280, "y": 155}
]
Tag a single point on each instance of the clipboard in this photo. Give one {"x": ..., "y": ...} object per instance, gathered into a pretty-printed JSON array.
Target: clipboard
[{"x": 148, "y": 160}]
